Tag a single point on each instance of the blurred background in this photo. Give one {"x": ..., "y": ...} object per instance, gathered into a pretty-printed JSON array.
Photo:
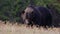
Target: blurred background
[{"x": 10, "y": 10}]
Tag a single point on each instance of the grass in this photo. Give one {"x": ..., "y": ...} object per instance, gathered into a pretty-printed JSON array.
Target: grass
[{"x": 22, "y": 29}]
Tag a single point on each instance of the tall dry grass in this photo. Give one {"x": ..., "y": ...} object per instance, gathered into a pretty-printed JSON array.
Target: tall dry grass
[{"x": 22, "y": 29}]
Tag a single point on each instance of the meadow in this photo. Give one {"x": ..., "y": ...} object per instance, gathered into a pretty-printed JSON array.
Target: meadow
[{"x": 22, "y": 29}]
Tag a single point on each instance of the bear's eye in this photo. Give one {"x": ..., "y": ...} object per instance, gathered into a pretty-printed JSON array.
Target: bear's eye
[{"x": 32, "y": 12}]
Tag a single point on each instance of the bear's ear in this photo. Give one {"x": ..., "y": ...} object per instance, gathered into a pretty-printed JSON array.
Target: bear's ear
[{"x": 23, "y": 12}]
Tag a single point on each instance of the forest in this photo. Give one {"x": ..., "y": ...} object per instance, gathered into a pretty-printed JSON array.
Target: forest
[{"x": 10, "y": 10}]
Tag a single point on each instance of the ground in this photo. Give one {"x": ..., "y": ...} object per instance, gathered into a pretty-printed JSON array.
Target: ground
[{"x": 22, "y": 29}]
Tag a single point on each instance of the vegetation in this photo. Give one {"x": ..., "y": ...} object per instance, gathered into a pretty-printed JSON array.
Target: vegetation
[{"x": 11, "y": 9}]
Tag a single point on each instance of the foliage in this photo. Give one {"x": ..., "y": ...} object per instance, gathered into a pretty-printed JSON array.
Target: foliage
[{"x": 11, "y": 9}]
